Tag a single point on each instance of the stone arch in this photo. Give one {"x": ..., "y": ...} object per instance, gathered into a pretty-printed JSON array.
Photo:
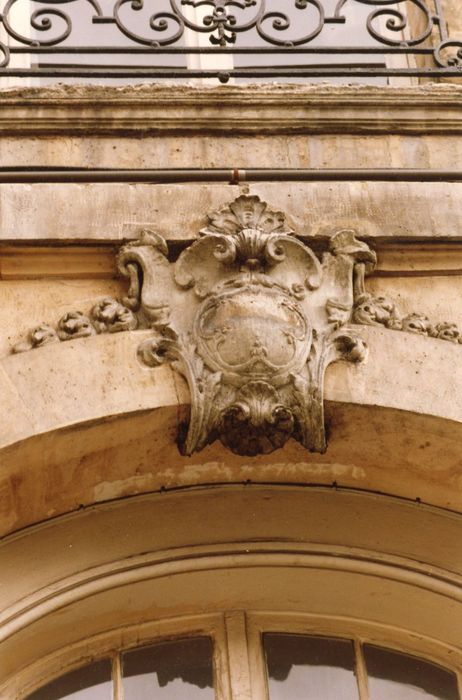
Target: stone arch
[{"x": 96, "y": 425}]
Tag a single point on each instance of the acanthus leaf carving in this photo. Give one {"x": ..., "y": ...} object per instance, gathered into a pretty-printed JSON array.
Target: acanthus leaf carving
[
  {"x": 74, "y": 324},
  {"x": 380, "y": 311},
  {"x": 246, "y": 212}
]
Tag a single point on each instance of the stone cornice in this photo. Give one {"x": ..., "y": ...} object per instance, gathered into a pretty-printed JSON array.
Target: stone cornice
[
  {"x": 54, "y": 261},
  {"x": 249, "y": 109}
]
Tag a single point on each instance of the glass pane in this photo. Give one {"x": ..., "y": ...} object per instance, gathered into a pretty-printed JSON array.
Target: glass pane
[
  {"x": 396, "y": 676},
  {"x": 91, "y": 682},
  {"x": 314, "y": 668},
  {"x": 170, "y": 671}
]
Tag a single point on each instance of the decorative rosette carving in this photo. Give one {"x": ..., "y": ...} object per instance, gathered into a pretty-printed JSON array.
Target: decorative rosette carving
[
  {"x": 107, "y": 316},
  {"x": 110, "y": 316},
  {"x": 381, "y": 311},
  {"x": 36, "y": 338}
]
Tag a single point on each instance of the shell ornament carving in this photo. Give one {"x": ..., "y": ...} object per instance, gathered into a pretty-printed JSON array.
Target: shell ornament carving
[{"x": 251, "y": 318}]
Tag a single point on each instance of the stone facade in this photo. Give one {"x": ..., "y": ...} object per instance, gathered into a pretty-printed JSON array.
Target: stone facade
[{"x": 92, "y": 413}]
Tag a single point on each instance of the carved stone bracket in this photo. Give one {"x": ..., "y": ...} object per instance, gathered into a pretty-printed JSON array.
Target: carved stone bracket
[{"x": 251, "y": 317}]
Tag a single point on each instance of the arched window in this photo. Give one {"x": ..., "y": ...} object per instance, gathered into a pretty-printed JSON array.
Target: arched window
[
  {"x": 239, "y": 592},
  {"x": 296, "y": 667}
]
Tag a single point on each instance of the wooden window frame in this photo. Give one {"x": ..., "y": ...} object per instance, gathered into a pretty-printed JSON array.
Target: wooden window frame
[{"x": 239, "y": 665}]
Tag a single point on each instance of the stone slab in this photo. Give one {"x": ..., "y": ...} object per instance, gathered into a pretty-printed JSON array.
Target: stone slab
[{"x": 69, "y": 213}]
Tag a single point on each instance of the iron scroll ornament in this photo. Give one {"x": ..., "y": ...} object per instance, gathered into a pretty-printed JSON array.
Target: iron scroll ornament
[
  {"x": 55, "y": 28},
  {"x": 251, "y": 318}
]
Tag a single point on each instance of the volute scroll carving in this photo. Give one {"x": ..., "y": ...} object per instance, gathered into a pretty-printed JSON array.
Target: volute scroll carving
[{"x": 251, "y": 317}]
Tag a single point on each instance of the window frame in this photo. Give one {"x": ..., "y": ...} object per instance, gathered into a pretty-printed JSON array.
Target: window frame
[
  {"x": 239, "y": 665},
  {"x": 190, "y": 562}
]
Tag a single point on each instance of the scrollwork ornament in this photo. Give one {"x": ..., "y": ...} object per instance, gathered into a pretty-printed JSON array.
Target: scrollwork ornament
[
  {"x": 162, "y": 347},
  {"x": 252, "y": 345},
  {"x": 221, "y": 24},
  {"x": 448, "y": 53},
  {"x": 43, "y": 21},
  {"x": 251, "y": 317},
  {"x": 281, "y": 22},
  {"x": 394, "y": 14},
  {"x": 4, "y": 55},
  {"x": 408, "y": 27},
  {"x": 159, "y": 23}
]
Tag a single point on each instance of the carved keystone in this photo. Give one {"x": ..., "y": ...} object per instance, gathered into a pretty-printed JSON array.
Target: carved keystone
[{"x": 251, "y": 318}]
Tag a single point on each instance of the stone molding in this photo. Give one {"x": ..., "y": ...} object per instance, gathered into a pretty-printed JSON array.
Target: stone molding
[
  {"x": 185, "y": 109},
  {"x": 98, "y": 262}
]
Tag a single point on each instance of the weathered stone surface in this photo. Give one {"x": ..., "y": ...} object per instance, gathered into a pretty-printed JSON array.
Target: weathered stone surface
[
  {"x": 454, "y": 19},
  {"x": 117, "y": 211},
  {"x": 84, "y": 431},
  {"x": 28, "y": 303},
  {"x": 58, "y": 367},
  {"x": 331, "y": 150},
  {"x": 85, "y": 426},
  {"x": 256, "y": 108}
]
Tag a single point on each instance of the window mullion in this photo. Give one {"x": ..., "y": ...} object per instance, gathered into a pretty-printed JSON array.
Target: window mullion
[
  {"x": 361, "y": 671},
  {"x": 257, "y": 660},
  {"x": 117, "y": 687},
  {"x": 238, "y": 656}
]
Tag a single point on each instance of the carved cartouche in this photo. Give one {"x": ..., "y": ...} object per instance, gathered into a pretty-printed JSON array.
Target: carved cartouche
[{"x": 251, "y": 317}]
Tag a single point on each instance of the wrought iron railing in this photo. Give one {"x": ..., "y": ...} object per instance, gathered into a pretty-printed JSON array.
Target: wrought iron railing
[{"x": 243, "y": 39}]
